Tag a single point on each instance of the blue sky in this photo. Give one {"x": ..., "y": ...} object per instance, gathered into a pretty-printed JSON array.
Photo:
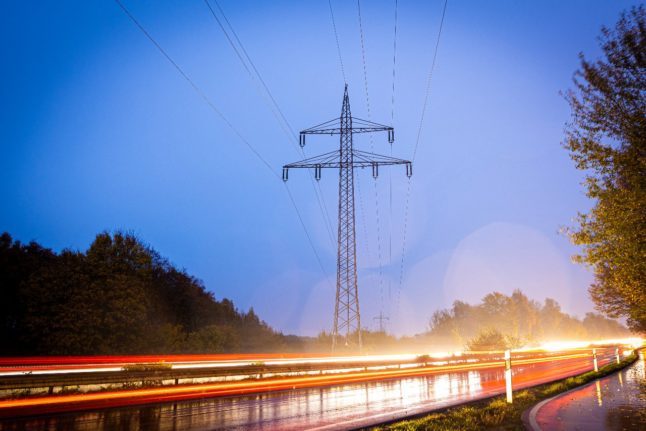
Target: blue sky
[{"x": 100, "y": 132}]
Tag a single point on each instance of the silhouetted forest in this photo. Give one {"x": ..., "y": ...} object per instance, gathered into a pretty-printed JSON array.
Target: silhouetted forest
[{"x": 118, "y": 297}]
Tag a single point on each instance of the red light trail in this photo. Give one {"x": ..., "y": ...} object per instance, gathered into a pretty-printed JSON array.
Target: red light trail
[{"x": 530, "y": 369}]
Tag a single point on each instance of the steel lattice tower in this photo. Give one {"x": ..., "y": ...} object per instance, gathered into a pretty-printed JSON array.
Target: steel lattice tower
[{"x": 347, "y": 318}]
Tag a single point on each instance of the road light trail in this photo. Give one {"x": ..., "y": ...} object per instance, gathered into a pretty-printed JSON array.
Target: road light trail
[
  {"x": 349, "y": 404},
  {"x": 568, "y": 364},
  {"x": 68, "y": 402}
]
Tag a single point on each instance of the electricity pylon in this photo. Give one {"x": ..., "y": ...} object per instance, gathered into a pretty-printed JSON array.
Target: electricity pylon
[
  {"x": 347, "y": 319},
  {"x": 381, "y": 318}
]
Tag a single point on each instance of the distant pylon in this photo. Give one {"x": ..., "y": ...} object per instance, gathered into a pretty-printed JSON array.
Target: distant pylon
[
  {"x": 347, "y": 318},
  {"x": 381, "y": 318}
]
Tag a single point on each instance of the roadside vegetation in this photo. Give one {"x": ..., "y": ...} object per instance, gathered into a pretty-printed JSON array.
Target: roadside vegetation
[
  {"x": 512, "y": 321},
  {"x": 121, "y": 297},
  {"x": 606, "y": 139},
  {"x": 117, "y": 297},
  {"x": 496, "y": 413}
]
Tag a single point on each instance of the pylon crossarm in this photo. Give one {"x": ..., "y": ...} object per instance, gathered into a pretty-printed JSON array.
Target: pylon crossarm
[
  {"x": 329, "y": 127},
  {"x": 364, "y": 159},
  {"x": 337, "y": 130},
  {"x": 366, "y": 124},
  {"x": 333, "y": 127},
  {"x": 327, "y": 160},
  {"x": 360, "y": 159}
]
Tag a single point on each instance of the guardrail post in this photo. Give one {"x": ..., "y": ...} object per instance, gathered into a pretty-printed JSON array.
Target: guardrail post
[
  {"x": 594, "y": 359},
  {"x": 617, "y": 354},
  {"x": 508, "y": 375}
]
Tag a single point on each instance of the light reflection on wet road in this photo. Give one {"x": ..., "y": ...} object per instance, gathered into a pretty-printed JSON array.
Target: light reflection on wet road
[
  {"x": 615, "y": 402},
  {"x": 336, "y": 407}
]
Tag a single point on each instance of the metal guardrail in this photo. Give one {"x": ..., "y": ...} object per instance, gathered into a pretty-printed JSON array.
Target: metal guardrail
[
  {"x": 26, "y": 381},
  {"x": 154, "y": 377},
  {"x": 140, "y": 376}
]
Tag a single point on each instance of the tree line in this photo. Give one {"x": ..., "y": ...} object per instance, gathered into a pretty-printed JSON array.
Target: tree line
[
  {"x": 118, "y": 297},
  {"x": 513, "y": 321},
  {"x": 121, "y": 297}
]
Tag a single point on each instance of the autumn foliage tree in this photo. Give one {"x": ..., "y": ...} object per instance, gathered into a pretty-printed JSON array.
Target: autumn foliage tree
[{"x": 607, "y": 140}]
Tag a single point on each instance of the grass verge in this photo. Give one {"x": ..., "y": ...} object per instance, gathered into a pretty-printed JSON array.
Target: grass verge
[{"x": 495, "y": 413}]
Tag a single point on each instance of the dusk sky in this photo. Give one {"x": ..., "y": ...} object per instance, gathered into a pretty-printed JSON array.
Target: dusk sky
[{"x": 101, "y": 133}]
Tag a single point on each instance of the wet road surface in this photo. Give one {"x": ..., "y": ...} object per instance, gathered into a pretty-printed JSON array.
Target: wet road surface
[
  {"x": 615, "y": 402},
  {"x": 336, "y": 407}
]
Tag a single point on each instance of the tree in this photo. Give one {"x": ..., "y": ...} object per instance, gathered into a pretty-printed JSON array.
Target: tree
[
  {"x": 524, "y": 316},
  {"x": 18, "y": 262},
  {"x": 552, "y": 318},
  {"x": 212, "y": 339},
  {"x": 599, "y": 326},
  {"x": 607, "y": 139},
  {"x": 488, "y": 339},
  {"x": 519, "y": 320},
  {"x": 93, "y": 303},
  {"x": 118, "y": 297},
  {"x": 443, "y": 329}
]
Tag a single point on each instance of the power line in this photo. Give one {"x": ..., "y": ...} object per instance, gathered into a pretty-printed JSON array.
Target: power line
[
  {"x": 336, "y": 37},
  {"x": 253, "y": 66},
  {"x": 390, "y": 175},
  {"x": 274, "y": 107},
  {"x": 392, "y": 111},
  {"x": 363, "y": 217},
  {"x": 365, "y": 80},
  {"x": 208, "y": 5},
  {"x": 309, "y": 238},
  {"x": 291, "y": 134},
  {"x": 197, "y": 89},
  {"x": 428, "y": 83},
  {"x": 419, "y": 132},
  {"x": 363, "y": 58},
  {"x": 361, "y": 207},
  {"x": 345, "y": 81},
  {"x": 204, "y": 97},
  {"x": 244, "y": 63}
]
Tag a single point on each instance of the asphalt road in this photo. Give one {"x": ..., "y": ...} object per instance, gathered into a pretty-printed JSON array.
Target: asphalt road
[
  {"x": 615, "y": 402},
  {"x": 342, "y": 406}
]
